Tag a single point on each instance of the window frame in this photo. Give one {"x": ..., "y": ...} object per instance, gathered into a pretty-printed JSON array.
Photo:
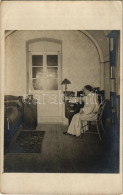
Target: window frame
[{"x": 31, "y": 90}]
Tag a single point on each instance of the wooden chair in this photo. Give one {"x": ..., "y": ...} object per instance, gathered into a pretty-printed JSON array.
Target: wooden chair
[{"x": 97, "y": 121}]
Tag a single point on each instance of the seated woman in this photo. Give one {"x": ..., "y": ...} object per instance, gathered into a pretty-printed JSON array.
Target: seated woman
[{"x": 89, "y": 111}]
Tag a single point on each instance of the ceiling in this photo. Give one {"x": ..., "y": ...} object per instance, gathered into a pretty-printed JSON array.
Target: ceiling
[{"x": 98, "y": 37}]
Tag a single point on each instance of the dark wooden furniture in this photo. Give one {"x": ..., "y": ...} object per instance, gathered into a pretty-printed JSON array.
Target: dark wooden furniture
[
  {"x": 71, "y": 109},
  {"x": 30, "y": 113},
  {"x": 13, "y": 118},
  {"x": 80, "y": 93}
]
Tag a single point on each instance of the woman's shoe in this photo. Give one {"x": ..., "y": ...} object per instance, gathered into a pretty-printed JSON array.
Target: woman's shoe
[{"x": 66, "y": 133}]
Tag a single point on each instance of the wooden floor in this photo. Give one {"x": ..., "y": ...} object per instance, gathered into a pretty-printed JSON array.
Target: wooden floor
[{"x": 63, "y": 154}]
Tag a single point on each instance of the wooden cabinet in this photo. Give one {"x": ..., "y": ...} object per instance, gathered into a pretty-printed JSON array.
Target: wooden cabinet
[
  {"x": 30, "y": 114},
  {"x": 71, "y": 109}
]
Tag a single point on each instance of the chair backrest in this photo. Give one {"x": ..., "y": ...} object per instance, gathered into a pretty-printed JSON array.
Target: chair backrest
[{"x": 101, "y": 109}]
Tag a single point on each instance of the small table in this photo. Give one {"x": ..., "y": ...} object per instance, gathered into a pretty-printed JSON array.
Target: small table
[
  {"x": 71, "y": 109},
  {"x": 30, "y": 113}
]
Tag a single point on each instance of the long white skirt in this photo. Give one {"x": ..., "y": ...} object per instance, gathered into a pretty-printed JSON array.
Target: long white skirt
[{"x": 79, "y": 121}]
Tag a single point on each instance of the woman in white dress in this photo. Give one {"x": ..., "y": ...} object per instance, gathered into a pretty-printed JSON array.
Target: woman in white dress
[{"x": 89, "y": 111}]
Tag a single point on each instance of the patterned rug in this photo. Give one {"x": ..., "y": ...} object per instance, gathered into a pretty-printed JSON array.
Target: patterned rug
[{"x": 28, "y": 142}]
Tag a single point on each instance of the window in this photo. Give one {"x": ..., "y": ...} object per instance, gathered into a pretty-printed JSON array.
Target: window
[{"x": 45, "y": 71}]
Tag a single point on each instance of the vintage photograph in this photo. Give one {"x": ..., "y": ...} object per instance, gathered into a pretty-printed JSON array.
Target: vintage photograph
[{"x": 62, "y": 101}]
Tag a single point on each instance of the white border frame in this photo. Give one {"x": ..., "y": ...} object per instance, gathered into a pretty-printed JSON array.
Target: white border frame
[{"x": 72, "y": 15}]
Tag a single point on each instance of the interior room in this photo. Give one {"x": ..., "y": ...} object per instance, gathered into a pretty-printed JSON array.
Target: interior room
[{"x": 45, "y": 77}]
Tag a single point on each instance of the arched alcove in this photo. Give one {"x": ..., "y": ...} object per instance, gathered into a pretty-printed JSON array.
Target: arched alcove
[{"x": 82, "y": 59}]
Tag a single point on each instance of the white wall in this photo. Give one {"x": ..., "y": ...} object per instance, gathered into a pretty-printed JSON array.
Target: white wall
[
  {"x": 80, "y": 64},
  {"x": 80, "y": 60}
]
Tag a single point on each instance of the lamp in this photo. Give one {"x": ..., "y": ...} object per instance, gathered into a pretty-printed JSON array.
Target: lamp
[{"x": 65, "y": 82}]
